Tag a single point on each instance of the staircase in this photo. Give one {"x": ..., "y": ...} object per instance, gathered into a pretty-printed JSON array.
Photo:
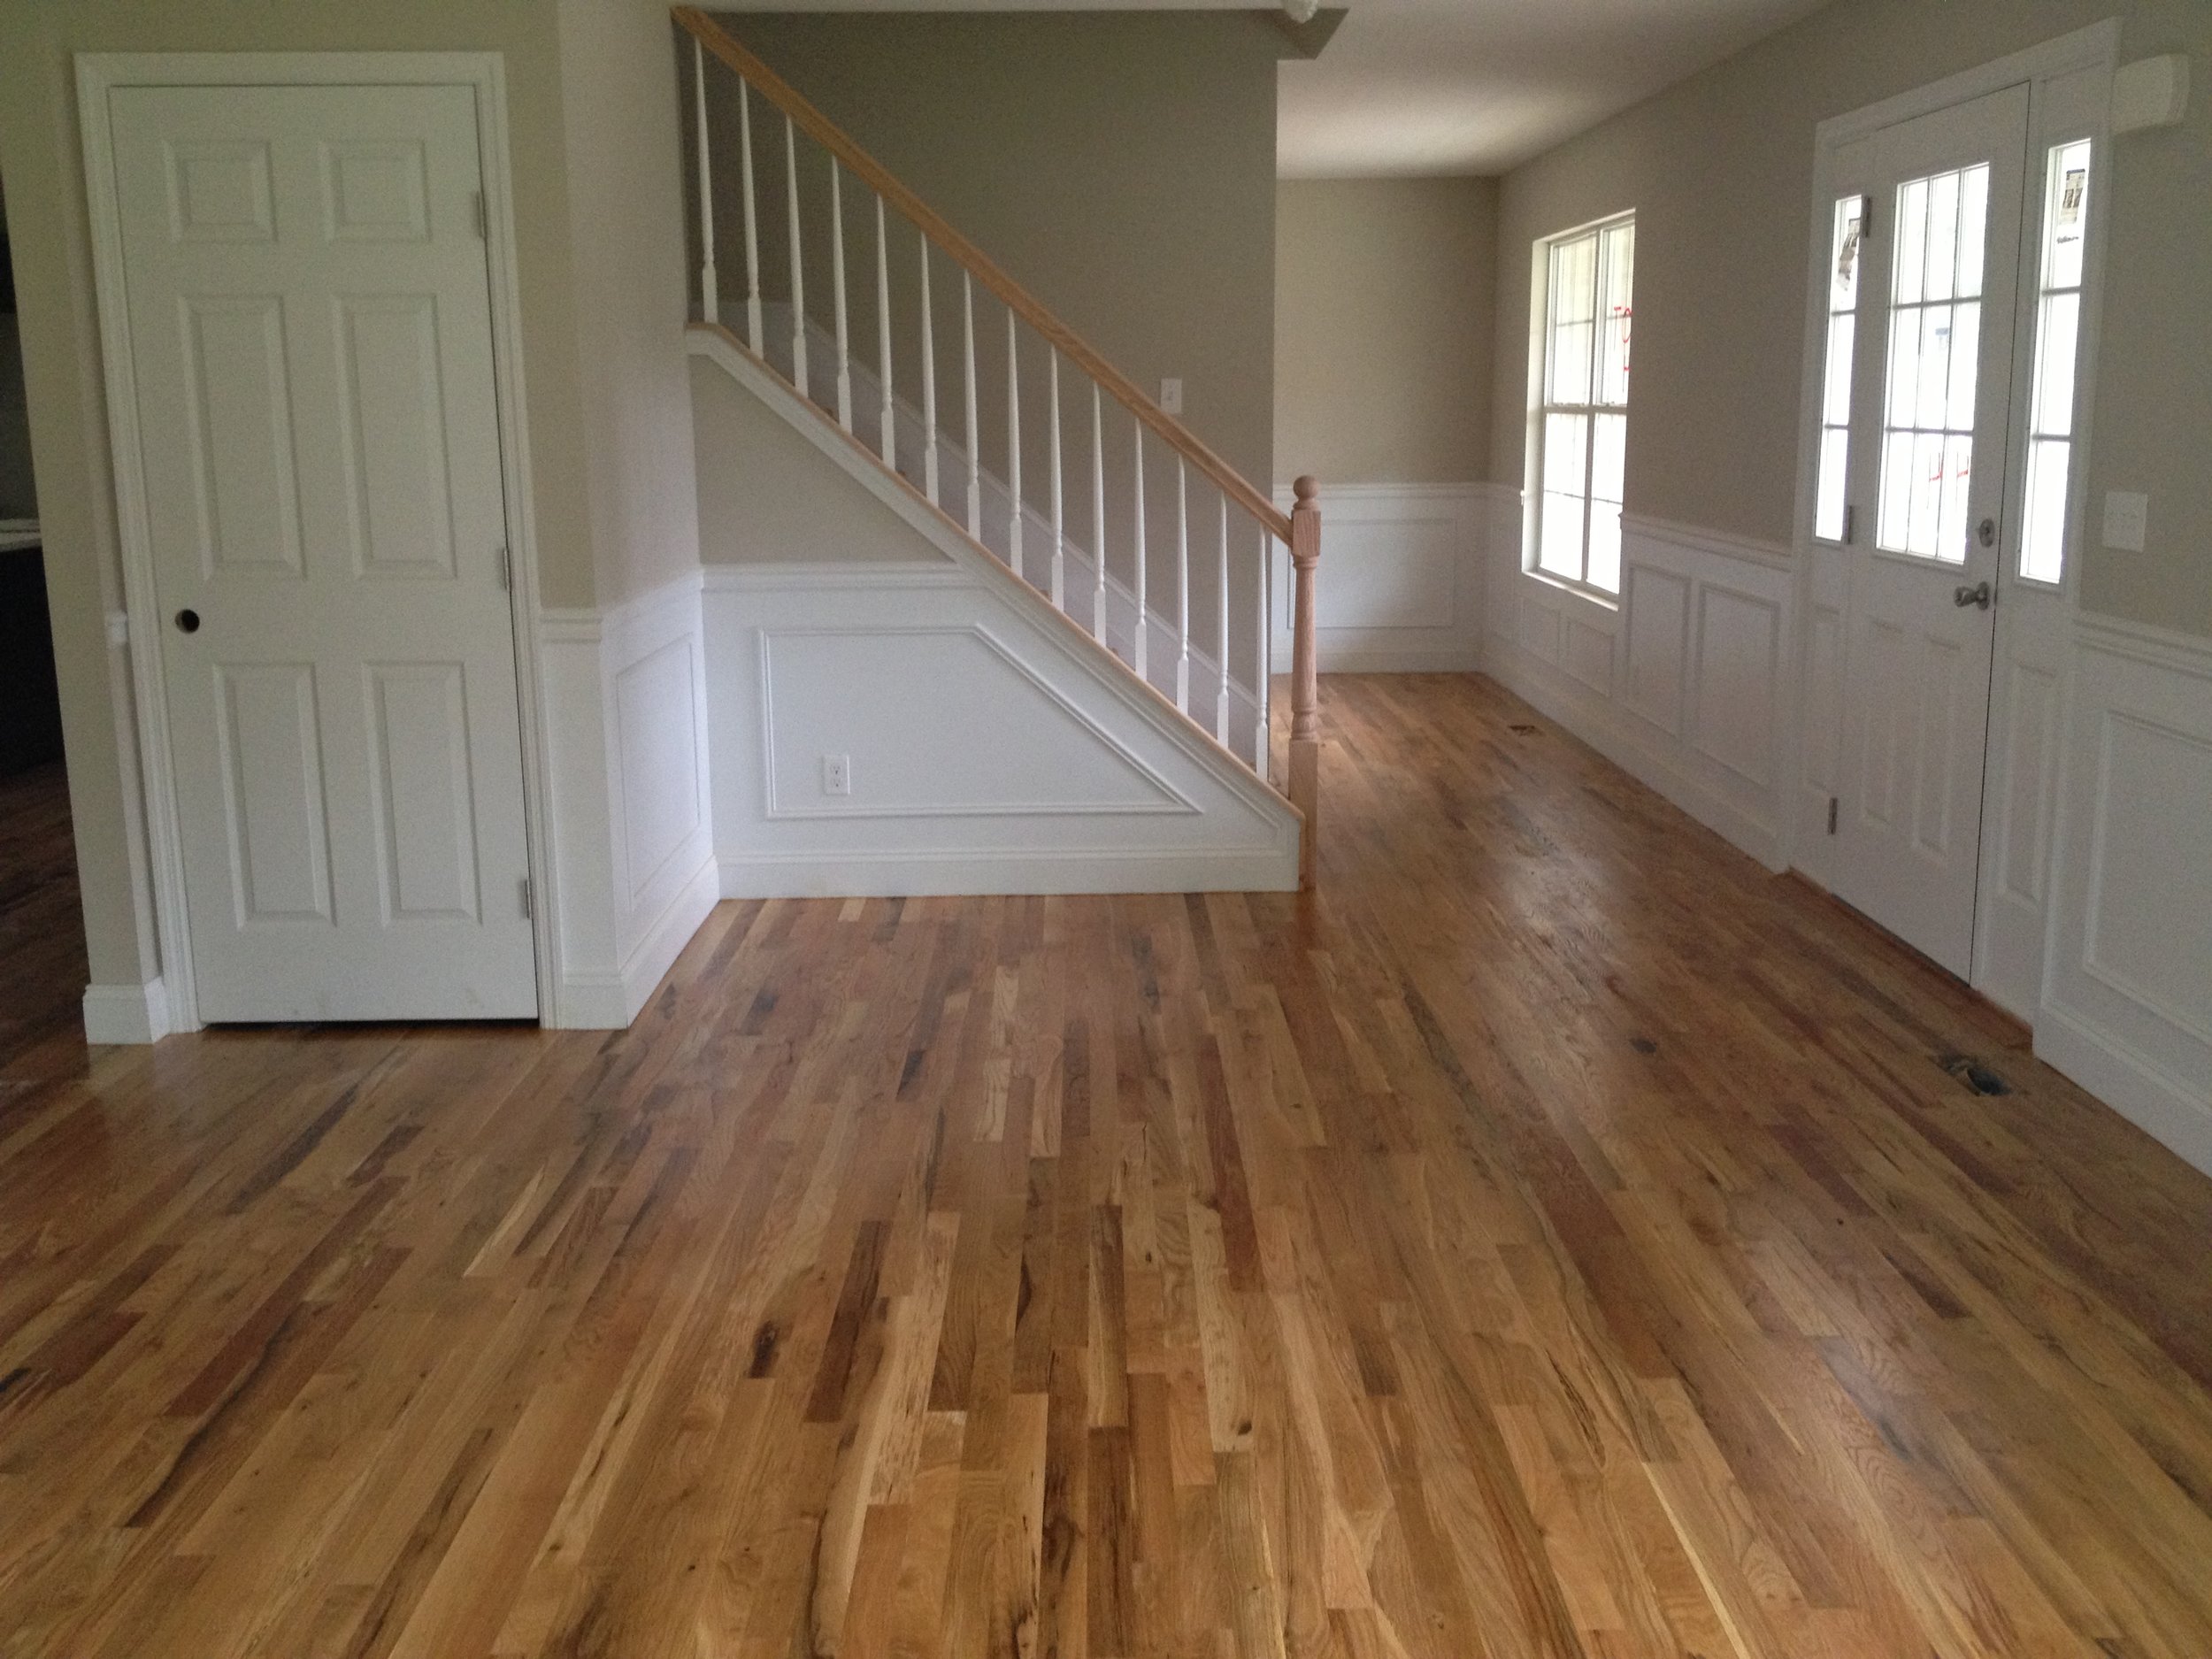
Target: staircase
[{"x": 1059, "y": 505}]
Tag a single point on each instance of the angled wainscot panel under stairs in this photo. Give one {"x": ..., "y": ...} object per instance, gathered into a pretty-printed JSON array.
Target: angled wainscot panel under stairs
[{"x": 979, "y": 617}]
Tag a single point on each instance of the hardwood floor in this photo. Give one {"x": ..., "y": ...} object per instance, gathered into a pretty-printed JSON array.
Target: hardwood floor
[{"x": 1556, "y": 1237}]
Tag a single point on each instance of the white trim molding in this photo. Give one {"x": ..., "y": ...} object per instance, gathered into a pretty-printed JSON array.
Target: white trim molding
[
  {"x": 626, "y": 690},
  {"x": 485, "y": 74},
  {"x": 126, "y": 1013},
  {"x": 2127, "y": 987}
]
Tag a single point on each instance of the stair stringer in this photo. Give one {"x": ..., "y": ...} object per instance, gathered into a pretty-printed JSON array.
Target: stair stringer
[{"x": 1032, "y": 760}]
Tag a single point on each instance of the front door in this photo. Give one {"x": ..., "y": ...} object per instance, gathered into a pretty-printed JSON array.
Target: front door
[
  {"x": 1936, "y": 276},
  {"x": 311, "y": 333}
]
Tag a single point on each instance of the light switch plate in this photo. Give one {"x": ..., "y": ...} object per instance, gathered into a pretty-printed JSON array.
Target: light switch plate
[
  {"x": 2126, "y": 520},
  {"x": 1172, "y": 396}
]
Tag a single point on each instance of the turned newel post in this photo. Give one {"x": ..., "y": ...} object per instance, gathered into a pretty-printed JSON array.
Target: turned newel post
[{"x": 1305, "y": 690}]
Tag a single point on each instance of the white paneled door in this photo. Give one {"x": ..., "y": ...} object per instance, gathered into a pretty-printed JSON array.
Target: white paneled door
[
  {"x": 310, "y": 337},
  {"x": 1920, "y": 360}
]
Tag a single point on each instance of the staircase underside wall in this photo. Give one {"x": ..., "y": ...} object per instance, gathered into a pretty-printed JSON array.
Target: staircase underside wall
[{"x": 988, "y": 745}]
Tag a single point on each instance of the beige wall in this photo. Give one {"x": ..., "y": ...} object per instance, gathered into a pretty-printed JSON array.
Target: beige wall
[
  {"x": 1385, "y": 296},
  {"x": 1719, "y": 172},
  {"x": 629, "y": 270},
  {"x": 1120, "y": 165},
  {"x": 604, "y": 526},
  {"x": 767, "y": 496}
]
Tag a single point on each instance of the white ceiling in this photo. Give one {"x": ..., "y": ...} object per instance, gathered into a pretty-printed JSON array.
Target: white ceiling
[
  {"x": 1479, "y": 86},
  {"x": 1449, "y": 86}
]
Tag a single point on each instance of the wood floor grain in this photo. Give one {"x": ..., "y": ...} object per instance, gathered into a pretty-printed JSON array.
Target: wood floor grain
[{"x": 1554, "y": 1237}]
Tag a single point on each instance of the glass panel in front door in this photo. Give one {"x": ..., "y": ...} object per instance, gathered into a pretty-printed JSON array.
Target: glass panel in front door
[{"x": 1935, "y": 315}]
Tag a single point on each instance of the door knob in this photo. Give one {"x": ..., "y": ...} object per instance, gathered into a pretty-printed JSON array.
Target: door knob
[
  {"x": 1985, "y": 532},
  {"x": 188, "y": 621},
  {"x": 1978, "y": 595}
]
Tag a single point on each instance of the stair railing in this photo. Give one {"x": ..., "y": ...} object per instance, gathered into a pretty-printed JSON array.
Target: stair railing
[{"x": 1105, "y": 587}]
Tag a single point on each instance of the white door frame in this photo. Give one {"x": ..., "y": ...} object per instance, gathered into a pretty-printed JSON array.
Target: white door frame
[
  {"x": 2094, "y": 48},
  {"x": 484, "y": 72}
]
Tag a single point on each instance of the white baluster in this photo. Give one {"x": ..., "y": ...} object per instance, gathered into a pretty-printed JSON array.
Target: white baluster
[
  {"x": 709, "y": 284},
  {"x": 1013, "y": 452},
  {"x": 837, "y": 286},
  {"x": 1144, "y": 621},
  {"x": 1059, "y": 513},
  {"x": 1221, "y": 699},
  {"x": 1098, "y": 518},
  {"x": 798, "y": 274},
  {"x": 883, "y": 335},
  {"x": 752, "y": 230},
  {"x": 1182, "y": 585},
  {"x": 1262, "y": 678},
  {"x": 929, "y": 386},
  {"x": 975, "y": 454}
]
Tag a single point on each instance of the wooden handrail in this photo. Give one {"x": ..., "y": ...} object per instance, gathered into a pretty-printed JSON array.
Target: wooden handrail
[{"x": 716, "y": 39}]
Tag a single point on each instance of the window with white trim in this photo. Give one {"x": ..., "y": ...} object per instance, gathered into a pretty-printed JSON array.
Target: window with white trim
[
  {"x": 1581, "y": 429},
  {"x": 2043, "y": 514}
]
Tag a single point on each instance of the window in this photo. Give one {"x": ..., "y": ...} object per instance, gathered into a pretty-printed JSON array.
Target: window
[
  {"x": 1830, "y": 520},
  {"x": 2057, "y": 337},
  {"x": 1935, "y": 327},
  {"x": 1582, "y": 426}
]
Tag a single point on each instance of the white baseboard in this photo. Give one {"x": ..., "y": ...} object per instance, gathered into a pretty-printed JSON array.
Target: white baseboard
[
  {"x": 608, "y": 1001},
  {"x": 126, "y": 1013},
  {"x": 917, "y": 875},
  {"x": 2131, "y": 1083}
]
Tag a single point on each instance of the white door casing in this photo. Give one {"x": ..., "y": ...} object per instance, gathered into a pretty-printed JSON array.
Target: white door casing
[
  {"x": 318, "y": 451},
  {"x": 1927, "y": 488}
]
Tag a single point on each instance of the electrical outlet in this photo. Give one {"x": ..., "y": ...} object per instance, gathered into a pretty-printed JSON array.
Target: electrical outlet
[
  {"x": 837, "y": 774},
  {"x": 2126, "y": 520},
  {"x": 1172, "y": 396}
]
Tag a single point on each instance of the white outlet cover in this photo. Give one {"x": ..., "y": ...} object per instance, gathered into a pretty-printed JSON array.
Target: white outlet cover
[
  {"x": 1172, "y": 396},
  {"x": 2126, "y": 520},
  {"x": 837, "y": 774}
]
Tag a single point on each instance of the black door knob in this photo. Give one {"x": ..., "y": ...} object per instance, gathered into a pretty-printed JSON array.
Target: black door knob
[{"x": 188, "y": 621}]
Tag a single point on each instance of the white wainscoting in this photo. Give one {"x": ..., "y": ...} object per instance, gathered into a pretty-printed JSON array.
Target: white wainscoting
[
  {"x": 633, "y": 837},
  {"x": 992, "y": 747},
  {"x": 2127, "y": 999},
  {"x": 1400, "y": 586},
  {"x": 1685, "y": 681}
]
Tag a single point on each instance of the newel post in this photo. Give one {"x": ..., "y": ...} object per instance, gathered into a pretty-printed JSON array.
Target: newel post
[{"x": 1305, "y": 690}]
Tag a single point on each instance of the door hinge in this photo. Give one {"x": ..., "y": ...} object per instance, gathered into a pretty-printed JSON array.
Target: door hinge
[
  {"x": 483, "y": 220},
  {"x": 1832, "y": 815},
  {"x": 506, "y": 570},
  {"x": 525, "y": 898}
]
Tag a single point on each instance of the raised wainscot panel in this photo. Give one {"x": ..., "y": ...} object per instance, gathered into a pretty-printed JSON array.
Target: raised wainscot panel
[
  {"x": 1735, "y": 681},
  {"x": 1657, "y": 635},
  {"x": 658, "y": 737}
]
